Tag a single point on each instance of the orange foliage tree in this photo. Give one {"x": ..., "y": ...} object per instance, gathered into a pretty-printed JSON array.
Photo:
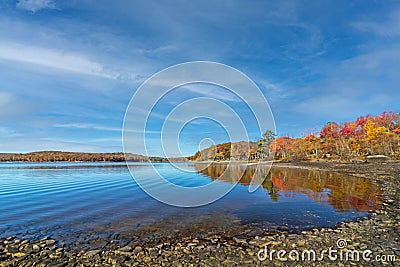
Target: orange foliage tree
[{"x": 367, "y": 135}]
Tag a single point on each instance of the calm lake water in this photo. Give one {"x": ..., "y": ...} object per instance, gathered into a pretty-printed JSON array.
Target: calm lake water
[{"x": 76, "y": 201}]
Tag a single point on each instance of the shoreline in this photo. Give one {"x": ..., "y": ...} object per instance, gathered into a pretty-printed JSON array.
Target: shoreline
[{"x": 377, "y": 232}]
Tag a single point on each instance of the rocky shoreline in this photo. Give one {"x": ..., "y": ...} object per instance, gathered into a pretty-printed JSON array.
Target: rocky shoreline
[{"x": 378, "y": 233}]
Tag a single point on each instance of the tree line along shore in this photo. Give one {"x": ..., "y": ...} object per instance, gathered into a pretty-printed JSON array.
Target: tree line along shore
[
  {"x": 352, "y": 140},
  {"x": 60, "y": 156}
]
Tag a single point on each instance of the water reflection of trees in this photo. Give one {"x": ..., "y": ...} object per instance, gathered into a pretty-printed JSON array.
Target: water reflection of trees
[{"x": 342, "y": 192}]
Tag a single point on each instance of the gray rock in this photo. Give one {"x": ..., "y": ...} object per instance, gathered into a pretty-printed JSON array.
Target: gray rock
[
  {"x": 50, "y": 242},
  {"x": 240, "y": 240},
  {"x": 91, "y": 253},
  {"x": 377, "y": 158},
  {"x": 125, "y": 249},
  {"x": 137, "y": 250},
  {"x": 35, "y": 248}
]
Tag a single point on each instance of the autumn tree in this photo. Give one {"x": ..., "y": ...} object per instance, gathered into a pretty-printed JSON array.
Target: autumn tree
[
  {"x": 264, "y": 145},
  {"x": 367, "y": 135},
  {"x": 282, "y": 145}
]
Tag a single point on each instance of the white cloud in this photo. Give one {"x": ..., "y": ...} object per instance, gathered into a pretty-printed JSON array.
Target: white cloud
[
  {"x": 389, "y": 27},
  {"x": 106, "y": 139},
  {"x": 383, "y": 62},
  {"x": 99, "y": 128},
  {"x": 36, "y": 5},
  {"x": 5, "y": 99},
  {"x": 53, "y": 59},
  {"x": 273, "y": 91},
  {"x": 87, "y": 126},
  {"x": 340, "y": 107},
  {"x": 364, "y": 84},
  {"x": 159, "y": 51},
  {"x": 7, "y": 132},
  {"x": 11, "y": 106},
  {"x": 23, "y": 144},
  {"x": 214, "y": 92}
]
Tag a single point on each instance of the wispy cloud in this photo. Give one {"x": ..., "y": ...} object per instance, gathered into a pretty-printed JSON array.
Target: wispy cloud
[
  {"x": 366, "y": 83},
  {"x": 99, "y": 127},
  {"x": 6, "y": 132},
  {"x": 384, "y": 62},
  {"x": 212, "y": 91},
  {"x": 22, "y": 144},
  {"x": 36, "y": 5},
  {"x": 389, "y": 27},
  {"x": 273, "y": 91},
  {"x": 5, "y": 99},
  {"x": 53, "y": 59},
  {"x": 345, "y": 106},
  {"x": 159, "y": 51},
  {"x": 12, "y": 106},
  {"x": 87, "y": 126}
]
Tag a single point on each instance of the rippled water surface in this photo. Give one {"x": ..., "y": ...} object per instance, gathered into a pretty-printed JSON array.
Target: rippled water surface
[{"x": 65, "y": 199}]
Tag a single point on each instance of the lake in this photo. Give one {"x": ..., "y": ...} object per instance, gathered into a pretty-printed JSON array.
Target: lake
[{"x": 79, "y": 202}]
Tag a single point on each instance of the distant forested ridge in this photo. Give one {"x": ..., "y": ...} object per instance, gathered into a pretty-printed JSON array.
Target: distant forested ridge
[{"x": 53, "y": 156}]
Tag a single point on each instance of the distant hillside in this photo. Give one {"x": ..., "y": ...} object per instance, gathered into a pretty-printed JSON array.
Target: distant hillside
[
  {"x": 227, "y": 151},
  {"x": 51, "y": 156},
  {"x": 58, "y": 156}
]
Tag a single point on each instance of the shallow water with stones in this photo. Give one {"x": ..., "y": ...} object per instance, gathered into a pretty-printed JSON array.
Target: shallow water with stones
[{"x": 77, "y": 202}]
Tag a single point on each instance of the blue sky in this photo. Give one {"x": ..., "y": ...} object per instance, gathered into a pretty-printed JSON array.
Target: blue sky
[{"x": 68, "y": 69}]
